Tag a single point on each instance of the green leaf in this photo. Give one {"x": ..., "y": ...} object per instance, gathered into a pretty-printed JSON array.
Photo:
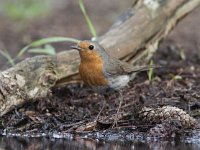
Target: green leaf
[
  {"x": 89, "y": 23},
  {"x": 46, "y": 41}
]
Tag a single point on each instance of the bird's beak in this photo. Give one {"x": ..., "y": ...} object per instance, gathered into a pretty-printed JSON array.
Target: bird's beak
[{"x": 76, "y": 47}]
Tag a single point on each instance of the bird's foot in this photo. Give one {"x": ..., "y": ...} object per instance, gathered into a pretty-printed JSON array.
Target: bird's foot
[
  {"x": 97, "y": 118},
  {"x": 115, "y": 121},
  {"x": 118, "y": 111}
]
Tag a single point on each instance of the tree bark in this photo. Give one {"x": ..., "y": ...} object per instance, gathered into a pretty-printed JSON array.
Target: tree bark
[{"x": 134, "y": 37}]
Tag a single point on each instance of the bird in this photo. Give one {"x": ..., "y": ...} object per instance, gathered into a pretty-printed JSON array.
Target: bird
[{"x": 103, "y": 72}]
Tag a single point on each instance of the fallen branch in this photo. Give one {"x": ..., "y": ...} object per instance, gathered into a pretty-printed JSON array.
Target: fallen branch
[{"x": 134, "y": 38}]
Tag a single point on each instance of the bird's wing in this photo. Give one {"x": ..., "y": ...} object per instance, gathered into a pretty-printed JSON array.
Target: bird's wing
[{"x": 118, "y": 67}]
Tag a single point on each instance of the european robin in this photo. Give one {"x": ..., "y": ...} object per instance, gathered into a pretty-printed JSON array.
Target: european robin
[{"x": 103, "y": 72}]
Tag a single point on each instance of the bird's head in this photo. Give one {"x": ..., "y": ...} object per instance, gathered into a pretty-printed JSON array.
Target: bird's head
[{"x": 90, "y": 50}]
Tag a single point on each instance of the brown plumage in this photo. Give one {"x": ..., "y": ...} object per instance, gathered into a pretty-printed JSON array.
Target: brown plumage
[
  {"x": 91, "y": 70},
  {"x": 100, "y": 70},
  {"x": 103, "y": 72}
]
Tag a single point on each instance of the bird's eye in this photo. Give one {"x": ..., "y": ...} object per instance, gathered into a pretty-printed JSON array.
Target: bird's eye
[{"x": 91, "y": 47}]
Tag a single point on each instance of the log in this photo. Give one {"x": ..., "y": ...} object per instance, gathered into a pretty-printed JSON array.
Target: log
[{"x": 134, "y": 37}]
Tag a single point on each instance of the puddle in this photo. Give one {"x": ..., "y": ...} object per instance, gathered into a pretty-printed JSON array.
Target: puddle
[
  {"x": 96, "y": 141},
  {"x": 27, "y": 143}
]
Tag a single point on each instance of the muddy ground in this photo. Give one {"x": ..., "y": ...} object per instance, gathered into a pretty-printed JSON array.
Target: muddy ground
[{"x": 71, "y": 107}]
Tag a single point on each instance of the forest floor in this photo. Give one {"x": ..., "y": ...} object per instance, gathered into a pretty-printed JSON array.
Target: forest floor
[{"x": 71, "y": 108}]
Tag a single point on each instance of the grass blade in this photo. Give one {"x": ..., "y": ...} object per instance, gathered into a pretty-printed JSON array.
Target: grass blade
[
  {"x": 8, "y": 57},
  {"x": 89, "y": 23},
  {"x": 46, "y": 41},
  {"x": 150, "y": 72},
  {"x": 48, "y": 50}
]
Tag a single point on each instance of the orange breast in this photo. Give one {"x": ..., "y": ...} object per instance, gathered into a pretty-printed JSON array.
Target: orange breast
[{"x": 91, "y": 71}]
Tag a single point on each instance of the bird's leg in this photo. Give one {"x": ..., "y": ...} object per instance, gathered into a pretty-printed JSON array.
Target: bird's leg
[
  {"x": 104, "y": 104},
  {"x": 118, "y": 110}
]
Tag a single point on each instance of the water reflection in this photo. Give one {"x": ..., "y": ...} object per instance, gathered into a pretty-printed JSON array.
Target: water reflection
[{"x": 24, "y": 143}]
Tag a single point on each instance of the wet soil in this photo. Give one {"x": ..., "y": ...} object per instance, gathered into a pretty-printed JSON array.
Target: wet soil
[{"x": 71, "y": 108}]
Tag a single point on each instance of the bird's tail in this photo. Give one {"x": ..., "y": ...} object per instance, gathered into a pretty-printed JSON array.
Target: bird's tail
[{"x": 145, "y": 68}]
